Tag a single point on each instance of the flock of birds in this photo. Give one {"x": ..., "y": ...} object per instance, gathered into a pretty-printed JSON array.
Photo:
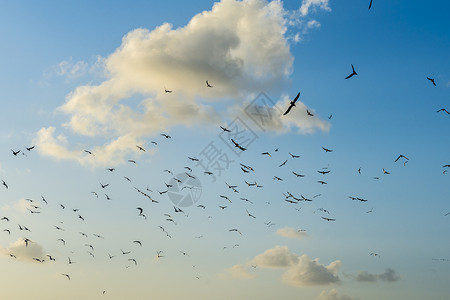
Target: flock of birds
[
  {"x": 38, "y": 207},
  {"x": 157, "y": 196}
]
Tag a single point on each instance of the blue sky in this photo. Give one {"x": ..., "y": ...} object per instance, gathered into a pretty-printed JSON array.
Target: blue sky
[{"x": 91, "y": 76}]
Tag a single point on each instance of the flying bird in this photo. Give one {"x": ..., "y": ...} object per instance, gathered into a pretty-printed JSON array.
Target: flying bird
[
  {"x": 208, "y": 85},
  {"x": 238, "y": 146},
  {"x": 444, "y": 110},
  {"x": 283, "y": 163},
  {"x": 432, "y": 80},
  {"x": 327, "y": 150},
  {"x": 225, "y": 129},
  {"x": 370, "y": 4},
  {"x": 328, "y": 219},
  {"x": 291, "y": 104},
  {"x": 400, "y": 156},
  {"x": 352, "y": 74},
  {"x": 89, "y": 152}
]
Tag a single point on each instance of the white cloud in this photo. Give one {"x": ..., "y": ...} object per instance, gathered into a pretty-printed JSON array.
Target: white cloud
[
  {"x": 23, "y": 252},
  {"x": 333, "y": 294},
  {"x": 309, "y": 273},
  {"x": 240, "y": 47},
  {"x": 313, "y": 4},
  {"x": 301, "y": 270},
  {"x": 292, "y": 233},
  {"x": 278, "y": 257},
  {"x": 240, "y": 272}
]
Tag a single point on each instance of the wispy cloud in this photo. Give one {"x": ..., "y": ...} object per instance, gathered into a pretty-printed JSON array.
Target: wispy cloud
[
  {"x": 307, "y": 5},
  {"x": 333, "y": 294},
  {"x": 240, "y": 47},
  {"x": 240, "y": 272},
  {"x": 389, "y": 275},
  {"x": 292, "y": 233}
]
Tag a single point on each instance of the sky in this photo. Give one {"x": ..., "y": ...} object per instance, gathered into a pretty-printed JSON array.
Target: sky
[{"x": 147, "y": 152}]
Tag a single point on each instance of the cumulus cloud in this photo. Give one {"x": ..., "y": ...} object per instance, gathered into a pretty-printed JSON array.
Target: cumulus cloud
[
  {"x": 310, "y": 272},
  {"x": 23, "y": 252},
  {"x": 301, "y": 270},
  {"x": 389, "y": 275},
  {"x": 292, "y": 233},
  {"x": 333, "y": 294},
  {"x": 240, "y": 47}
]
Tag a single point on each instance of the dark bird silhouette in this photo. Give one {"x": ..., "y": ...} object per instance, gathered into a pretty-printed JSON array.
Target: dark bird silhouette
[
  {"x": 323, "y": 172},
  {"x": 225, "y": 129},
  {"x": 328, "y": 219},
  {"x": 309, "y": 113},
  {"x": 104, "y": 185},
  {"x": 89, "y": 152},
  {"x": 352, "y": 74},
  {"x": 236, "y": 230},
  {"x": 68, "y": 277},
  {"x": 266, "y": 153},
  {"x": 132, "y": 161},
  {"x": 140, "y": 148},
  {"x": 166, "y": 136},
  {"x": 291, "y": 104},
  {"x": 444, "y": 110},
  {"x": 15, "y": 152},
  {"x": 7, "y": 230},
  {"x": 298, "y": 175},
  {"x": 294, "y": 156},
  {"x": 432, "y": 80},
  {"x": 250, "y": 215},
  {"x": 208, "y": 85},
  {"x": 167, "y": 91},
  {"x": 370, "y": 4},
  {"x": 327, "y": 150},
  {"x": 110, "y": 169},
  {"x": 62, "y": 241},
  {"x": 238, "y": 146},
  {"x": 4, "y": 184},
  {"x": 30, "y": 148},
  {"x": 283, "y": 163},
  {"x": 138, "y": 242},
  {"x": 400, "y": 156}
]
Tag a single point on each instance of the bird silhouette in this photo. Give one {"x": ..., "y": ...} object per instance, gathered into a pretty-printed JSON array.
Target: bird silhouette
[
  {"x": 291, "y": 104},
  {"x": 432, "y": 80},
  {"x": 238, "y": 146},
  {"x": 208, "y": 85},
  {"x": 352, "y": 74},
  {"x": 444, "y": 110}
]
